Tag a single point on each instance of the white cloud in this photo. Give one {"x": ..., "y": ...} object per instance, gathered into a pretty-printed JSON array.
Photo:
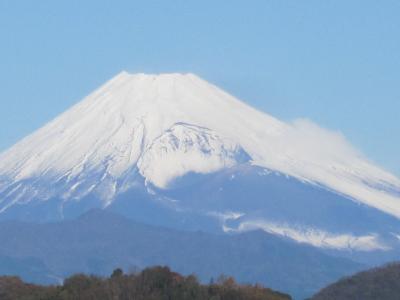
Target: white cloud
[{"x": 315, "y": 237}]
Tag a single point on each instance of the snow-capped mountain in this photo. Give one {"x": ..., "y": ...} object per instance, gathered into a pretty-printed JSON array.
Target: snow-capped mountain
[{"x": 169, "y": 139}]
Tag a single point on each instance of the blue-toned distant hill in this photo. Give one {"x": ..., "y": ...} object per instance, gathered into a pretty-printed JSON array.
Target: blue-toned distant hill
[
  {"x": 99, "y": 241},
  {"x": 31, "y": 269}
]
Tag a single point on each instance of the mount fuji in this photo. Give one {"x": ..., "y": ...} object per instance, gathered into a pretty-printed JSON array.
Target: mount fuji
[{"x": 177, "y": 151}]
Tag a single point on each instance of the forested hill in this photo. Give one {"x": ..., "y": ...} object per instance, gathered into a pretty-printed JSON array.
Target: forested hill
[
  {"x": 380, "y": 283},
  {"x": 157, "y": 283}
]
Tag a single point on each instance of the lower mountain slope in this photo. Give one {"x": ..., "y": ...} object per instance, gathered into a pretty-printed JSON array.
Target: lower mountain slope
[
  {"x": 379, "y": 283},
  {"x": 31, "y": 269},
  {"x": 100, "y": 241}
]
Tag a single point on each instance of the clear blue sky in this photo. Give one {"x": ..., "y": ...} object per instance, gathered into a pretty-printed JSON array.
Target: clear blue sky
[{"x": 336, "y": 62}]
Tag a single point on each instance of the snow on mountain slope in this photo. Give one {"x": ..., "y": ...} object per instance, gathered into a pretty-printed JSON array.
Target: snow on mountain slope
[
  {"x": 316, "y": 237},
  {"x": 165, "y": 126},
  {"x": 186, "y": 148}
]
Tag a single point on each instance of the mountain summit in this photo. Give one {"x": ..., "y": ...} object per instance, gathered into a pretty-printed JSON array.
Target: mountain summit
[{"x": 156, "y": 131}]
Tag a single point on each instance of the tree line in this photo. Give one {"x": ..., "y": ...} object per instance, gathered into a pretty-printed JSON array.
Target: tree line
[{"x": 156, "y": 283}]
